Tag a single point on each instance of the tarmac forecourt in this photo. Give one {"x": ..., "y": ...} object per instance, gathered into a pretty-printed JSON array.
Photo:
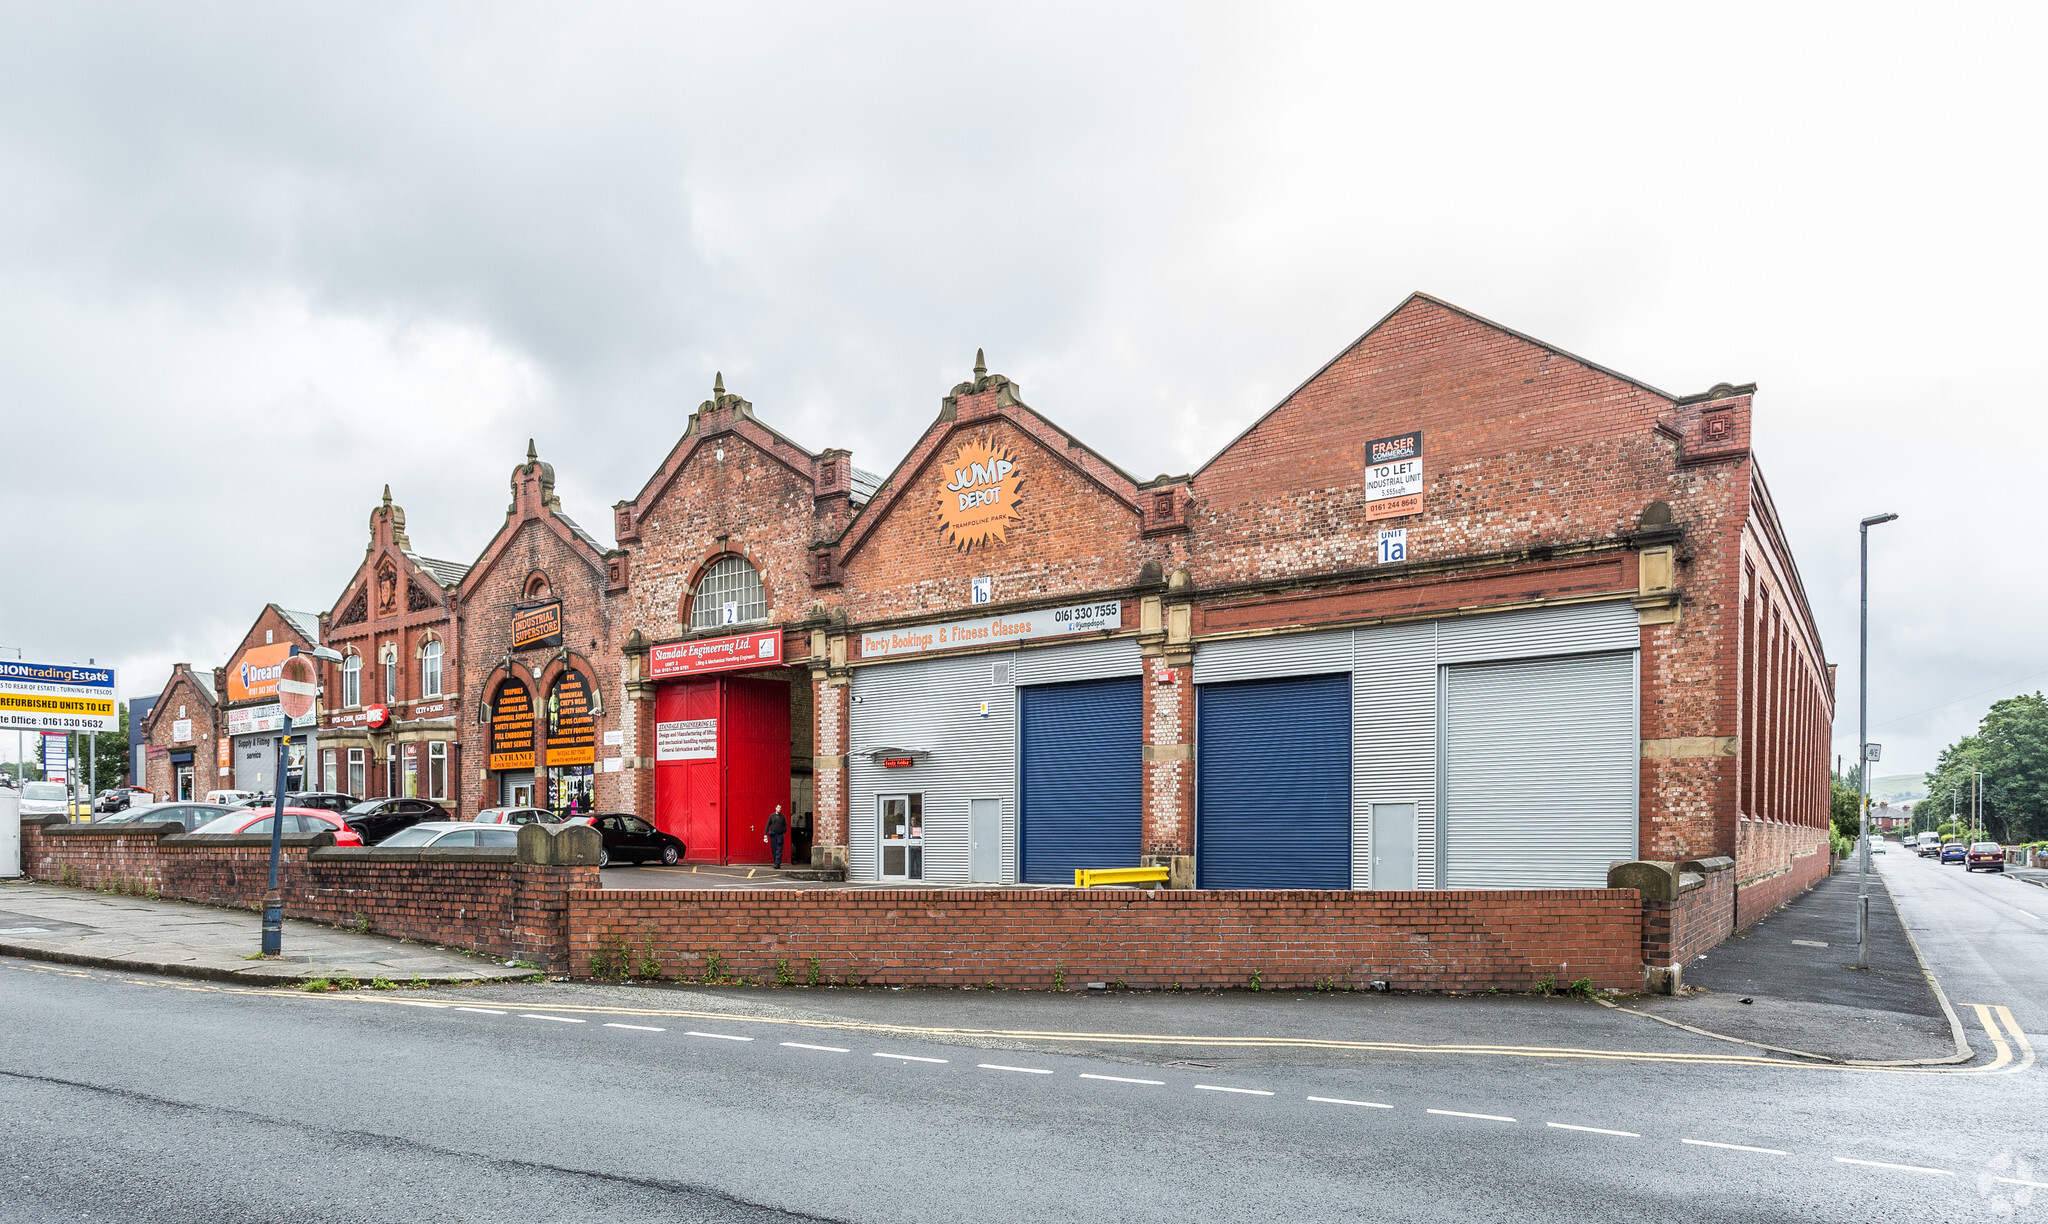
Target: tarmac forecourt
[{"x": 2013, "y": 1052}]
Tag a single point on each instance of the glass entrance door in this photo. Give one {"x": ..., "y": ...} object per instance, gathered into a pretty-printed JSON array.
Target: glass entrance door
[{"x": 902, "y": 836}]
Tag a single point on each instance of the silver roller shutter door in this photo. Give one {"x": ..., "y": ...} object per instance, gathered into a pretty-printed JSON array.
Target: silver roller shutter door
[{"x": 1540, "y": 764}]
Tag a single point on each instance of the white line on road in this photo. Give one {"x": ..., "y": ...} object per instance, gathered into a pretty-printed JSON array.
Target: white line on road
[
  {"x": 1245, "y": 1091},
  {"x": 716, "y": 1036},
  {"x": 2017, "y": 1181},
  {"x": 1342, "y": 1101},
  {"x": 798, "y": 1045},
  {"x": 1592, "y": 1130},
  {"x": 1452, "y": 1113},
  {"x": 1733, "y": 1147},
  {"x": 556, "y": 1019},
  {"x": 481, "y": 1011},
  {"x": 1019, "y": 1070},
  {"x": 909, "y": 1057},
  {"x": 638, "y": 1028},
  {"x": 1879, "y": 1164},
  {"x": 1119, "y": 1079}
]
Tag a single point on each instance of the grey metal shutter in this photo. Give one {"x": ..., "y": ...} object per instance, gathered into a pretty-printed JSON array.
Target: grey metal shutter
[
  {"x": 1539, "y": 633},
  {"x": 933, "y": 706},
  {"x": 1284, "y": 654},
  {"x": 1393, "y": 739},
  {"x": 1096, "y": 660},
  {"x": 1539, "y": 770}
]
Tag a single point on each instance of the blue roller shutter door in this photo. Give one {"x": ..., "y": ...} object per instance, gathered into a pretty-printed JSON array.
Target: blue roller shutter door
[
  {"x": 1273, "y": 783},
  {"x": 1081, "y": 775}
]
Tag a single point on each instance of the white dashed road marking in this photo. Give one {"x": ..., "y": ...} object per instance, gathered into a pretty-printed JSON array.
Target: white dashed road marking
[
  {"x": 1342, "y": 1101},
  {"x": 481, "y": 1011},
  {"x": 716, "y": 1036},
  {"x": 556, "y": 1019},
  {"x": 1592, "y": 1130},
  {"x": 1019, "y": 1070},
  {"x": 798, "y": 1045},
  {"x": 1879, "y": 1164},
  {"x": 1119, "y": 1079},
  {"x": 1244, "y": 1091},
  {"x": 638, "y": 1028},
  {"x": 2017, "y": 1181},
  {"x": 1733, "y": 1147},
  {"x": 1452, "y": 1113},
  {"x": 909, "y": 1057}
]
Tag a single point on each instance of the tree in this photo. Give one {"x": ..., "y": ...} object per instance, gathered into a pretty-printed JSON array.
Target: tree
[
  {"x": 1844, "y": 798},
  {"x": 2011, "y": 750}
]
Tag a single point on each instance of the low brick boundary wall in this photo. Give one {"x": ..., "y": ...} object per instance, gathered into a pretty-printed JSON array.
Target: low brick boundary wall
[
  {"x": 1775, "y": 862},
  {"x": 483, "y": 900},
  {"x": 1031, "y": 940}
]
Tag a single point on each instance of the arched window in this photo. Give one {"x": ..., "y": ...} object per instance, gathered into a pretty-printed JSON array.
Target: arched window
[
  {"x": 430, "y": 668},
  {"x": 390, "y": 660},
  {"x": 729, "y": 593},
  {"x": 537, "y": 587},
  {"x": 352, "y": 681}
]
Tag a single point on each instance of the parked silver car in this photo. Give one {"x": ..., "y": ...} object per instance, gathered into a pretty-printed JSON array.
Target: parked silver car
[
  {"x": 43, "y": 799},
  {"x": 450, "y": 833}
]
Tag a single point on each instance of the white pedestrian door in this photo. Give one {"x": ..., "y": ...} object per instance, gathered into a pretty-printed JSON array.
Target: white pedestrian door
[
  {"x": 902, "y": 836},
  {"x": 985, "y": 818},
  {"x": 1393, "y": 846}
]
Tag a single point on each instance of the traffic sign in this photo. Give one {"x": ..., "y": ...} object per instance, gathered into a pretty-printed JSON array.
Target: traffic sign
[{"x": 297, "y": 687}]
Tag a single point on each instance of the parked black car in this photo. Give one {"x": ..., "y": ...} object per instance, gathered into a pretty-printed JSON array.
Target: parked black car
[
  {"x": 376, "y": 819},
  {"x": 320, "y": 801},
  {"x": 633, "y": 840}
]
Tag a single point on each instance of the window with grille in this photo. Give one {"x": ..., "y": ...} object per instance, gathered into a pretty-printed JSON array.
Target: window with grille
[
  {"x": 729, "y": 594},
  {"x": 430, "y": 670},
  {"x": 352, "y": 681}
]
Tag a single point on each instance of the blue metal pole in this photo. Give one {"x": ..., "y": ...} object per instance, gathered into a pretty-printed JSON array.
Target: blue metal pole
[{"x": 273, "y": 901}]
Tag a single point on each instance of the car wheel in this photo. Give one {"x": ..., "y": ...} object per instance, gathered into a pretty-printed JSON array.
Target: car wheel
[
  {"x": 669, "y": 856},
  {"x": 604, "y": 857}
]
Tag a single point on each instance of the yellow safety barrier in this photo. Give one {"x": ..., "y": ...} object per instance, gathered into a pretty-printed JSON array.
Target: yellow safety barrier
[{"x": 1088, "y": 878}]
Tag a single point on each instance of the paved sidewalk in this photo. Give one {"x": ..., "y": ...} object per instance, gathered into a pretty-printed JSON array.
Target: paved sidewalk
[
  {"x": 79, "y": 927},
  {"x": 1791, "y": 981}
]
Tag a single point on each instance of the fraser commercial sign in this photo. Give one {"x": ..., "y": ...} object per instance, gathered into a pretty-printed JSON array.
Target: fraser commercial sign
[
  {"x": 1393, "y": 476},
  {"x": 994, "y": 630},
  {"x": 57, "y": 697}
]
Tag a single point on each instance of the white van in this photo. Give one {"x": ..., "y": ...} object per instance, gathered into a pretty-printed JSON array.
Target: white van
[{"x": 229, "y": 798}]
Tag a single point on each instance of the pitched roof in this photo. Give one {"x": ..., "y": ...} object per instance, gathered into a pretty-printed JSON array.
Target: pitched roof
[
  {"x": 580, "y": 534},
  {"x": 447, "y": 573},
  {"x": 306, "y": 623},
  {"x": 865, "y": 484},
  {"x": 204, "y": 679}
]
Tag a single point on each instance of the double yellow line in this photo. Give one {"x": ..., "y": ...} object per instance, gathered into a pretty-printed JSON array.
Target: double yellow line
[{"x": 2003, "y": 1062}]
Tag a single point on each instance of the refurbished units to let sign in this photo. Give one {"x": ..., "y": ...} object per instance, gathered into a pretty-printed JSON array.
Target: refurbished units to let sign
[{"x": 57, "y": 697}]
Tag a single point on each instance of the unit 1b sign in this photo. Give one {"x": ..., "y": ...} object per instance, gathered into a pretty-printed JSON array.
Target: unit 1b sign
[
  {"x": 56, "y": 697},
  {"x": 1393, "y": 476}
]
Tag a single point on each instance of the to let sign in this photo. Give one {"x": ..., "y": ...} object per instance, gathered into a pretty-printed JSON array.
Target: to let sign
[
  {"x": 1393, "y": 476},
  {"x": 695, "y": 658}
]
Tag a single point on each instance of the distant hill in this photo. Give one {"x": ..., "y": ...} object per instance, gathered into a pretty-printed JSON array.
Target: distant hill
[{"x": 1899, "y": 788}]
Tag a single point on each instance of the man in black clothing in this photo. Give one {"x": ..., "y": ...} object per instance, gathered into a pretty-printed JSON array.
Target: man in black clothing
[{"x": 778, "y": 827}]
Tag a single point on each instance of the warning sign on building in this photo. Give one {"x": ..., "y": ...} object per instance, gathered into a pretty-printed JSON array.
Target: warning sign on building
[{"x": 1393, "y": 476}]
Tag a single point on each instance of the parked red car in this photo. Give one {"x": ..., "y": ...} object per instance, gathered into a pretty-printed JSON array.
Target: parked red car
[
  {"x": 296, "y": 820},
  {"x": 1988, "y": 855}
]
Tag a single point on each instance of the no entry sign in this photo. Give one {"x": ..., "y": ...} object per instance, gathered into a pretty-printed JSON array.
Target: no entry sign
[{"x": 297, "y": 687}]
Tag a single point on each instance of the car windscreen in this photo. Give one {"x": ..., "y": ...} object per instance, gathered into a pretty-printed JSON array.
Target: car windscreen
[
  {"x": 498, "y": 837},
  {"x": 414, "y": 836},
  {"x": 1984, "y": 845},
  {"x": 366, "y": 807},
  {"x": 229, "y": 823},
  {"x": 44, "y": 791}
]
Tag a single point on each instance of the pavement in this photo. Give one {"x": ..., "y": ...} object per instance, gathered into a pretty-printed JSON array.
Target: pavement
[
  {"x": 1791, "y": 981},
  {"x": 79, "y": 927}
]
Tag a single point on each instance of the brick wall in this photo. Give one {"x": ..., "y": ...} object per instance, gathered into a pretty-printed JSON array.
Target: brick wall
[
  {"x": 481, "y": 900},
  {"x": 1775, "y": 862},
  {"x": 1674, "y": 932},
  {"x": 183, "y": 697},
  {"x": 1020, "y": 939}
]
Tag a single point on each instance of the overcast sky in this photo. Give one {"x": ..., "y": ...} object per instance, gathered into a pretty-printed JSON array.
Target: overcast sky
[{"x": 258, "y": 260}]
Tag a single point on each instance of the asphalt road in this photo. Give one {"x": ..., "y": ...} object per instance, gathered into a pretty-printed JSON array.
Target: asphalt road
[{"x": 131, "y": 1098}]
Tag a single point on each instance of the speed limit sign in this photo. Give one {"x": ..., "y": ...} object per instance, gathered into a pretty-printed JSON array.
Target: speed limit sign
[{"x": 297, "y": 686}]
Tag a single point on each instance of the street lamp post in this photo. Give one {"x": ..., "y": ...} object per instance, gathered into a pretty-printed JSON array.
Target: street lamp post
[{"x": 1863, "y": 745}]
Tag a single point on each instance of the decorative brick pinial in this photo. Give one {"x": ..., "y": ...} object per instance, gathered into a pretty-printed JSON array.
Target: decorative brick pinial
[
  {"x": 532, "y": 455},
  {"x": 980, "y": 365},
  {"x": 718, "y": 385}
]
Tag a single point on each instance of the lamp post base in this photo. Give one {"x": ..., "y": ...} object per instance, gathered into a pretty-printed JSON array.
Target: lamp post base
[{"x": 273, "y": 925}]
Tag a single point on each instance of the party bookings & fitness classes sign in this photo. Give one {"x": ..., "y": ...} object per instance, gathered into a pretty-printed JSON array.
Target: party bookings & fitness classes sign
[
  {"x": 992, "y": 630},
  {"x": 57, "y": 697}
]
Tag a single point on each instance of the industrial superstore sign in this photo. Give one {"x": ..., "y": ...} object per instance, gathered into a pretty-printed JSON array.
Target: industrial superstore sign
[
  {"x": 537, "y": 624},
  {"x": 57, "y": 697},
  {"x": 738, "y": 650},
  {"x": 992, "y": 630},
  {"x": 1393, "y": 476}
]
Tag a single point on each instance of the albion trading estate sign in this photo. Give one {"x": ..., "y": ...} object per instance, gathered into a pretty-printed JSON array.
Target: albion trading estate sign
[
  {"x": 979, "y": 502},
  {"x": 737, "y": 650},
  {"x": 57, "y": 697},
  {"x": 994, "y": 630},
  {"x": 1393, "y": 476},
  {"x": 537, "y": 625}
]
